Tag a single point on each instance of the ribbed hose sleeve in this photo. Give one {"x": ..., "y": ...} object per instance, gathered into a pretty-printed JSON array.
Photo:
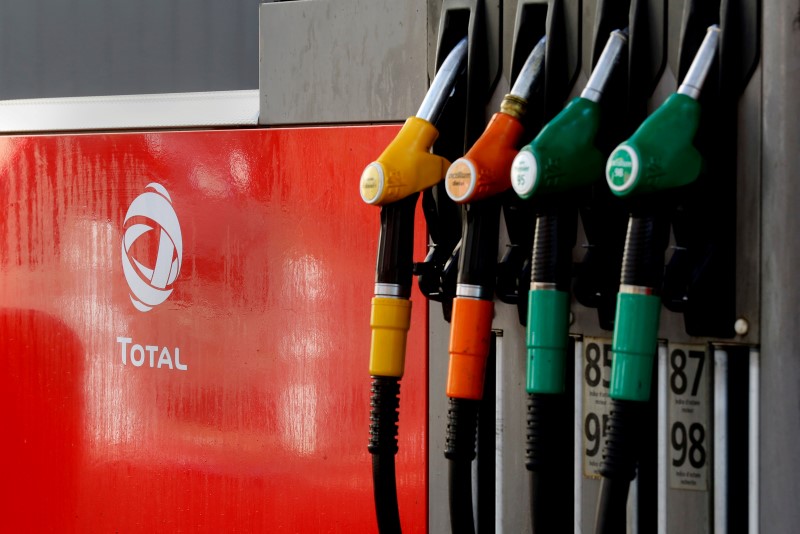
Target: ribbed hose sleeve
[
  {"x": 384, "y": 404},
  {"x": 542, "y": 426},
  {"x": 462, "y": 425},
  {"x": 643, "y": 259},
  {"x": 619, "y": 465},
  {"x": 552, "y": 250},
  {"x": 549, "y": 461}
]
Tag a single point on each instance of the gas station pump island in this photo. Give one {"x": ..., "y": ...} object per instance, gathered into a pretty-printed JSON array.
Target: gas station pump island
[
  {"x": 556, "y": 176},
  {"x": 596, "y": 199}
]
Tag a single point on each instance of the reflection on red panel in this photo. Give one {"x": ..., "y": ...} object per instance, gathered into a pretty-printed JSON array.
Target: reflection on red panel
[{"x": 218, "y": 380}]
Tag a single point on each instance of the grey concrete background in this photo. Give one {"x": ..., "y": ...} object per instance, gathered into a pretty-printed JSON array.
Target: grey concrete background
[{"x": 65, "y": 48}]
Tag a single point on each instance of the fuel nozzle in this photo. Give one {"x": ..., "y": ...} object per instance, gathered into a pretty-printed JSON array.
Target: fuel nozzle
[
  {"x": 563, "y": 155},
  {"x": 660, "y": 154},
  {"x": 407, "y": 166},
  {"x": 483, "y": 171},
  {"x": 393, "y": 182},
  {"x": 561, "y": 158},
  {"x": 473, "y": 179}
]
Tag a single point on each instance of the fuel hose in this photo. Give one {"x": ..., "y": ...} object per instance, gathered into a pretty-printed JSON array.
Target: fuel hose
[
  {"x": 475, "y": 181},
  {"x": 404, "y": 169},
  {"x": 664, "y": 140},
  {"x": 557, "y": 163}
]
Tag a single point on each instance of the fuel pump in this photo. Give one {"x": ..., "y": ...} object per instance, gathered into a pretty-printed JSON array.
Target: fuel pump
[
  {"x": 475, "y": 181},
  {"x": 393, "y": 182},
  {"x": 560, "y": 160},
  {"x": 659, "y": 157}
]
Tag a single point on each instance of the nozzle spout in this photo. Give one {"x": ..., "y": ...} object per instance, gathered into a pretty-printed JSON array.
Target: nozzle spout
[
  {"x": 443, "y": 83},
  {"x": 698, "y": 70},
  {"x": 605, "y": 65},
  {"x": 530, "y": 74}
]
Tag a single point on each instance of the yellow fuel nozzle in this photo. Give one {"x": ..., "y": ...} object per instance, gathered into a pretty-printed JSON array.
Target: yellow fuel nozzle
[{"x": 407, "y": 165}]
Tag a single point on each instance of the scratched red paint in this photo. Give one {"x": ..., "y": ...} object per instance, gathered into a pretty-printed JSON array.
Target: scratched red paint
[{"x": 266, "y": 431}]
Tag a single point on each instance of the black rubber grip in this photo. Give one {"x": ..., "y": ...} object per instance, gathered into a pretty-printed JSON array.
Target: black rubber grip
[
  {"x": 545, "y": 247},
  {"x": 549, "y": 459},
  {"x": 621, "y": 448},
  {"x": 619, "y": 465},
  {"x": 554, "y": 238},
  {"x": 643, "y": 259},
  {"x": 384, "y": 403},
  {"x": 462, "y": 426},
  {"x": 543, "y": 445}
]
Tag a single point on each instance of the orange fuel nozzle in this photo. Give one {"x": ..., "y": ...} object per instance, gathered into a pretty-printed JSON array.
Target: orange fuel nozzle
[
  {"x": 484, "y": 170},
  {"x": 470, "y": 336}
]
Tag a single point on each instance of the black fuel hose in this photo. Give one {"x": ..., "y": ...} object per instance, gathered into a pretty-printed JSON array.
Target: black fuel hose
[
  {"x": 549, "y": 416},
  {"x": 384, "y": 404},
  {"x": 642, "y": 267},
  {"x": 462, "y": 425},
  {"x": 548, "y": 460}
]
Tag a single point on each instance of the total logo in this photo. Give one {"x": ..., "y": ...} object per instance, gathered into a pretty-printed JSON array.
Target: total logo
[
  {"x": 151, "y": 278},
  {"x": 150, "y": 287}
]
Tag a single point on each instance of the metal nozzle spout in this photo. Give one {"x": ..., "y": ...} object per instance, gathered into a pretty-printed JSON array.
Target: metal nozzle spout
[
  {"x": 443, "y": 83},
  {"x": 530, "y": 74},
  {"x": 605, "y": 65},
  {"x": 694, "y": 79}
]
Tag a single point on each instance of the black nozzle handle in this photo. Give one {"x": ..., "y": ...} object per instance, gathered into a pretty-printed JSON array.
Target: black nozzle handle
[
  {"x": 396, "y": 248},
  {"x": 480, "y": 235}
]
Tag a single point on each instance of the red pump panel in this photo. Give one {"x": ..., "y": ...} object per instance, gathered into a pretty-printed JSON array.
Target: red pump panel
[{"x": 184, "y": 334}]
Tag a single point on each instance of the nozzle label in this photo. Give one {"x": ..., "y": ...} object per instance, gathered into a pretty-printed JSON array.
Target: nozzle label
[
  {"x": 460, "y": 180},
  {"x": 372, "y": 183},
  {"x": 689, "y": 371},
  {"x": 622, "y": 168},
  {"x": 524, "y": 172},
  {"x": 596, "y": 369}
]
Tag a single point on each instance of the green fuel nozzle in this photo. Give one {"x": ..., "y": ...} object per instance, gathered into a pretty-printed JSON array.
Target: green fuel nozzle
[
  {"x": 561, "y": 158},
  {"x": 660, "y": 154},
  {"x": 563, "y": 155}
]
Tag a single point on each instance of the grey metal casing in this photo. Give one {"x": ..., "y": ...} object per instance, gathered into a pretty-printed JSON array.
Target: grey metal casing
[
  {"x": 342, "y": 61},
  {"x": 780, "y": 255}
]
